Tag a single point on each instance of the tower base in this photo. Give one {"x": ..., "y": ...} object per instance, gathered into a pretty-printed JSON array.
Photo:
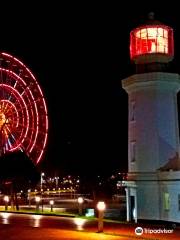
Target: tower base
[{"x": 153, "y": 196}]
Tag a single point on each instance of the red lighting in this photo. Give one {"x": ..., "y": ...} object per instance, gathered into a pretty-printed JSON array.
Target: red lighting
[
  {"x": 152, "y": 39},
  {"x": 23, "y": 111}
]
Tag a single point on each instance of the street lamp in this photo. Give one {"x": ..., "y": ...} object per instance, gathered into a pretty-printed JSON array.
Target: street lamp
[
  {"x": 80, "y": 203},
  {"x": 42, "y": 175},
  {"x": 29, "y": 195},
  {"x": 42, "y": 199},
  {"x": 59, "y": 190},
  {"x": 56, "y": 179},
  {"x": 51, "y": 203},
  {"x": 101, "y": 207},
  {"x": 37, "y": 199},
  {"x": 6, "y": 200}
]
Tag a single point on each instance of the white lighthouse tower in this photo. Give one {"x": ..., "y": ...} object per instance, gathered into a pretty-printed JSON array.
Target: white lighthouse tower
[{"x": 153, "y": 184}]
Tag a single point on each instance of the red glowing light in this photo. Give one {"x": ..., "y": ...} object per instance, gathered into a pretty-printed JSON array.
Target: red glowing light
[
  {"x": 151, "y": 39},
  {"x": 23, "y": 111}
]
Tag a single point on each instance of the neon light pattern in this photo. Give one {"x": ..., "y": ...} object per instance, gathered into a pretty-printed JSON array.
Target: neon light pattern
[{"x": 23, "y": 111}]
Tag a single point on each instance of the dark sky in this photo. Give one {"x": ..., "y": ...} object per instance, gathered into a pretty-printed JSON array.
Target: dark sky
[{"x": 79, "y": 53}]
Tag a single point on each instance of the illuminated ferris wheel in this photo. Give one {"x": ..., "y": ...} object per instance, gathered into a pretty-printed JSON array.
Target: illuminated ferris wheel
[{"x": 23, "y": 111}]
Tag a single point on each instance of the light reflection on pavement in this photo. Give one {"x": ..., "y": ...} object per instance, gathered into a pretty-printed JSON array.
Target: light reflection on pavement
[
  {"x": 10, "y": 232},
  {"x": 26, "y": 221},
  {"x": 5, "y": 217}
]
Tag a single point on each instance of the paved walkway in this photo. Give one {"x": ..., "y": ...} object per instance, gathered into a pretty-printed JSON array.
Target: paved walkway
[
  {"x": 12, "y": 232},
  {"x": 54, "y": 228},
  {"x": 9, "y": 232}
]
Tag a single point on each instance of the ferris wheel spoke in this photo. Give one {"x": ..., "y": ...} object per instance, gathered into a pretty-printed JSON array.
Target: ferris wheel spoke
[
  {"x": 26, "y": 89},
  {"x": 10, "y": 95},
  {"x": 2, "y": 106},
  {"x": 16, "y": 102},
  {"x": 7, "y": 107},
  {"x": 14, "y": 121},
  {"x": 10, "y": 114},
  {"x": 8, "y": 145},
  {"x": 8, "y": 139}
]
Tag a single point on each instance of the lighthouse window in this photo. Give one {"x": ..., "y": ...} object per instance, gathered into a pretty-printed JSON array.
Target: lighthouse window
[
  {"x": 152, "y": 40},
  {"x": 166, "y": 201},
  {"x": 179, "y": 201},
  {"x": 133, "y": 151},
  {"x": 132, "y": 111}
]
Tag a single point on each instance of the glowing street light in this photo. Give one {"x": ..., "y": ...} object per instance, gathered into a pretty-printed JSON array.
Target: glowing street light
[
  {"x": 37, "y": 199},
  {"x": 6, "y": 200},
  {"x": 101, "y": 207},
  {"x": 51, "y": 203},
  {"x": 29, "y": 196},
  {"x": 42, "y": 175},
  {"x": 80, "y": 203},
  {"x": 56, "y": 179}
]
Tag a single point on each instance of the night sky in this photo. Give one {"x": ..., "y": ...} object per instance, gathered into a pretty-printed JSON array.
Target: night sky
[{"x": 79, "y": 54}]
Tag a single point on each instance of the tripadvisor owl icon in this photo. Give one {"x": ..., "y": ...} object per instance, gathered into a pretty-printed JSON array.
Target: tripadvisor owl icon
[{"x": 138, "y": 231}]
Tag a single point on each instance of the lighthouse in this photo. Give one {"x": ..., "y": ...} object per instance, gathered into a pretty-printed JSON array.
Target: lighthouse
[{"x": 153, "y": 183}]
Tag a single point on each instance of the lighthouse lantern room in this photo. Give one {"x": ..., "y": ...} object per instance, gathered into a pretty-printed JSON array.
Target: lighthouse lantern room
[{"x": 149, "y": 39}]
